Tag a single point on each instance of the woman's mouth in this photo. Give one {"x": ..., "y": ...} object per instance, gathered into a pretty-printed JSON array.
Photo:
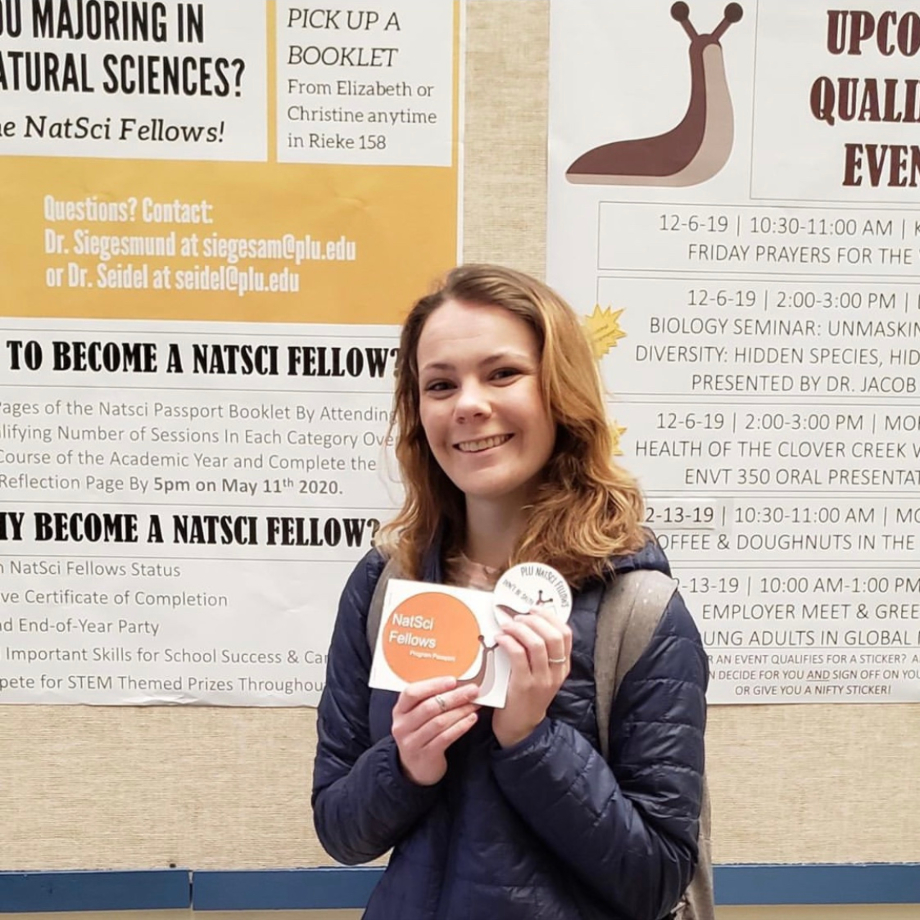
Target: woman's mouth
[{"x": 473, "y": 447}]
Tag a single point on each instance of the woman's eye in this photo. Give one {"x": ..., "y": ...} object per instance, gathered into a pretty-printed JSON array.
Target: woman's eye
[
  {"x": 437, "y": 386},
  {"x": 505, "y": 372}
]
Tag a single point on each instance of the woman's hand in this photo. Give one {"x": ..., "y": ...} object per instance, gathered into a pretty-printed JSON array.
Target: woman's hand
[
  {"x": 428, "y": 718},
  {"x": 539, "y": 646}
]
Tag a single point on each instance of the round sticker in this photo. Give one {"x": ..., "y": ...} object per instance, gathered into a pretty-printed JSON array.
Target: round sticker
[
  {"x": 528, "y": 585},
  {"x": 431, "y": 634}
]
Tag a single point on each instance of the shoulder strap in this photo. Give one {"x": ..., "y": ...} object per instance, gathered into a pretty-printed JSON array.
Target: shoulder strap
[
  {"x": 630, "y": 610},
  {"x": 375, "y": 611}
]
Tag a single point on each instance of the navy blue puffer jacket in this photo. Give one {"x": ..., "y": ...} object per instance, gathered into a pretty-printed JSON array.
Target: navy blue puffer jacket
[{"x": 544, "y": 830}]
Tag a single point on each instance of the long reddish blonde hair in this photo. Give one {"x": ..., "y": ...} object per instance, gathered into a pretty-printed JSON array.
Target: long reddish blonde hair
[{"x": 586, "y": 509}]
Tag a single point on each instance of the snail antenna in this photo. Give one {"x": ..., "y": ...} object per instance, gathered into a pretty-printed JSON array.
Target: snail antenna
[
  {"x": 681, "y": 12},
  {"x": 733, "y": 13}
]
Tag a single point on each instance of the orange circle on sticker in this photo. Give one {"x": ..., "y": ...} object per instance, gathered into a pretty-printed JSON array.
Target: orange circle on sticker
[{"x": 431, "y": 635}]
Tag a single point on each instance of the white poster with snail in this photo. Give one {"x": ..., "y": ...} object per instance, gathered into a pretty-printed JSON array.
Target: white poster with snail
[{"x": 734, "y": 207}]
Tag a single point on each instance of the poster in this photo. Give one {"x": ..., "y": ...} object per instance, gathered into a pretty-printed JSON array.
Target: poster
[
  {"x": 734, "y": 206},
  {"x": 215, "y": 214}
]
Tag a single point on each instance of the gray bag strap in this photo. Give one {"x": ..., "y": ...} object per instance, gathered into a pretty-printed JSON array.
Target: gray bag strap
[
  {"x": 629, "y": 614},
  {"x": 375, "y": 611},
  {"x": 630, "y": 611},
  {"x": 698, "y": 902}
]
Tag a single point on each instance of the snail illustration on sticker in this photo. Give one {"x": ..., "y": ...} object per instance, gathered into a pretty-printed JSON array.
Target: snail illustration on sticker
[
  {"x": 531, "y": 585},
  {"x": 695, "y": 149}
]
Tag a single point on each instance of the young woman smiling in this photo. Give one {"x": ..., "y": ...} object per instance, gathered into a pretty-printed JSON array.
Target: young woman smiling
[{"x": 505, "y": 454}]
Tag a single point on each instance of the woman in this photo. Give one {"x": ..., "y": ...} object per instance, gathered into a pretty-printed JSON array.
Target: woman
[{"x": 505, "y": 453}]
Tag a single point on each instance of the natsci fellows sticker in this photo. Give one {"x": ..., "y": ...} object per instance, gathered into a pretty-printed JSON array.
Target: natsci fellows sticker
[{"x": 531, "y": 585}]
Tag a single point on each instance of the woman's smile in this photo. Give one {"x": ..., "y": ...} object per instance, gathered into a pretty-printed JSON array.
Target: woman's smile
[{"x": 483, "y": 444}]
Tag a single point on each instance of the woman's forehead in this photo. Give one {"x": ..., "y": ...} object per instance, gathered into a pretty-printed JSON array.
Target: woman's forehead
[{"x": 459, "y": 325}]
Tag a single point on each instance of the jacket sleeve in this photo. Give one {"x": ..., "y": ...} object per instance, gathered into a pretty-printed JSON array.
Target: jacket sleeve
[
  {"x": 362, "y": 802},
  {"x": 629, "y": 830}
]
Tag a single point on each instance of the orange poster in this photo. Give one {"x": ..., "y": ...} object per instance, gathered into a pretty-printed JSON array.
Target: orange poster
[{"x": 215, "y": 214}]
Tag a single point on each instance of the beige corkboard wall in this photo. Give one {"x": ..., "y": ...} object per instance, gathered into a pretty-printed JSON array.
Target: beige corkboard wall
[{"x": 206, "y": 788}]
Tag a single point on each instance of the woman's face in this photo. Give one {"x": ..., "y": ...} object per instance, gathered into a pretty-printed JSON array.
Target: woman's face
[{"x": 481, "y": 404}]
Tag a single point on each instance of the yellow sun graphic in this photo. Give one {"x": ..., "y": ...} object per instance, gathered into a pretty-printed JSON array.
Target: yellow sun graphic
[
  {"x": 603, "y": 329},
  {"x": 616, "y": 432}
]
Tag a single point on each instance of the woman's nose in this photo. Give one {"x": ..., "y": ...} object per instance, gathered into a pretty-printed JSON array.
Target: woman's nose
[{"x": 472, "y": 402}]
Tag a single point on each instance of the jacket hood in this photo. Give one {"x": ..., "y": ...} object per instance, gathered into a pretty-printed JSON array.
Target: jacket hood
[{"x": 651, "y": 556}]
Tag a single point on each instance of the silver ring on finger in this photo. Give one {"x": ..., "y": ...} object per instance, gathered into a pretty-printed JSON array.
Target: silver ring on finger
[
  {"x": 561, "y": 660},
  {"x": 442, "y": 703}
]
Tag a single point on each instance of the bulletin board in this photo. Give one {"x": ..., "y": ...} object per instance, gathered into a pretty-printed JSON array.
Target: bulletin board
[{"x": 208, "y": 787}]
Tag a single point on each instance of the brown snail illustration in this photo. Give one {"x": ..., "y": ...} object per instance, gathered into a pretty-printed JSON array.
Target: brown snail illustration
[
  {"x": 484, "y": 678},
  {"x": 695, "y": 149}
]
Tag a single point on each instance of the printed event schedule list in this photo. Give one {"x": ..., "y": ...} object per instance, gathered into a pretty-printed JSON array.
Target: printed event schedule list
[{"x": 770, "y": 400}]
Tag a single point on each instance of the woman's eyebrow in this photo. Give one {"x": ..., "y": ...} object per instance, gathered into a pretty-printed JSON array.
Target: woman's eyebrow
[{"x": 497, "y": 357}]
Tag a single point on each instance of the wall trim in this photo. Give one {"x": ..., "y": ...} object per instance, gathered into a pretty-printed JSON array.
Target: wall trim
[
  {"x": 342, "y": 888},
  {"x": 38, "y": 892}
]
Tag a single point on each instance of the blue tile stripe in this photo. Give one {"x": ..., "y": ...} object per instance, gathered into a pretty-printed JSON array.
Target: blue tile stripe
[
  {"x": 34, "y": 892},
  {"x": 816, "y": 884},
  {"x": 293, "y": 889},
  {"x": 314, "y": 889}
]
